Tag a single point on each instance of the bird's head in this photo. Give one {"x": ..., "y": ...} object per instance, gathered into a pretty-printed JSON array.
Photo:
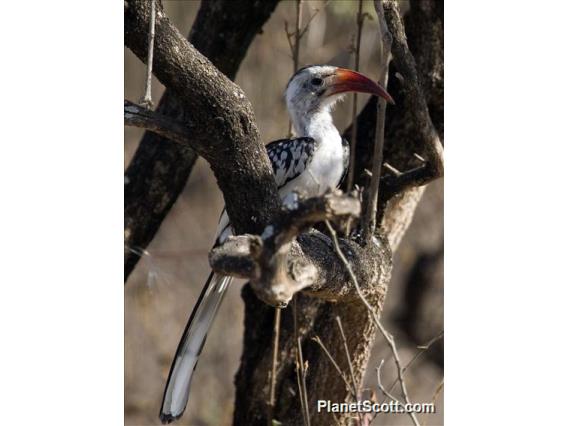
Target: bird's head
[{"x": 318, "y": 87}]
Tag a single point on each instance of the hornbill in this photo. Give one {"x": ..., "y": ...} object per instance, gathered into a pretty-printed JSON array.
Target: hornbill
[{"x": 313, "y": 162}]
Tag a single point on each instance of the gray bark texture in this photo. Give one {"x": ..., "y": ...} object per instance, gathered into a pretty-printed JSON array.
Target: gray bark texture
[
  {"x": 223, "y": 31},
  {"x": 219, "y": 119}
]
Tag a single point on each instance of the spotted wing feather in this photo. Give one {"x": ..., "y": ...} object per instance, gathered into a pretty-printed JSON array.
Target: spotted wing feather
[{"x": 290, "y": 157}]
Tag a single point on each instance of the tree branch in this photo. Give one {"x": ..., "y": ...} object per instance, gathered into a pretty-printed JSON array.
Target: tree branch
[
  {"x": 138, "y": 116},
  {"x": 218, "y": 114},
  {"x": 223, "y": 31},
  {"x": 351, "y": 171},
  {"x": 278, "y": 266},
  {"x": 385, "y": 37}
]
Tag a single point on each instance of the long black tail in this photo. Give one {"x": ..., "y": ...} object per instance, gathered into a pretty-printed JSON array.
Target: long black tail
[{"x": 176, "y": 393}]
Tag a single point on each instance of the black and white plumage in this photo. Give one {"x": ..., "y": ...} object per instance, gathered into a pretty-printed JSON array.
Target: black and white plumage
[{"x": 312, "y": 163}]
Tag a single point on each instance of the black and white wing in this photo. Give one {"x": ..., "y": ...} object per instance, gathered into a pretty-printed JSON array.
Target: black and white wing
[{"x": 290, "y": 157}]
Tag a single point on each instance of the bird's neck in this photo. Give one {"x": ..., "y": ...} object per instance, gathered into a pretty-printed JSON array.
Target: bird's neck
[{"x": 318, "y": 125}]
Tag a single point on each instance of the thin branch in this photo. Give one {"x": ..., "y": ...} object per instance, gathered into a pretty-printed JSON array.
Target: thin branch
[
  {"x": 370, "y": 219},
  {"x": 397, "y": 183},
  {"x": 391, "y": 169},
  {"x": 438, "y": 390},
  {"x": 349, "y": 386},
  {"x": 139, "y": 116},
  {"x": 347, "y": 355},
  {"x": 350, "y": 364},
  {"x": 436, "y": 393},
  {"x": 388, "y": 337},
  {"x": 303, "y": 387},
  {"x": 299, "y": 381},
  {"x": 380, "y": 384},
  {"x": 295, "y": 47},
  {"x": 351, "y": 171},
  {"x": 146, "y": 101},
  {"x": 297, "y": 35},
  {"x": 311, "y": 18},
  {"x": 421, "y": 350},
  {"x": 276, "y": 338}
]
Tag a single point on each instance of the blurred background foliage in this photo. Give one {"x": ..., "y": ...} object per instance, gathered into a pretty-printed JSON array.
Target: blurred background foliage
[{"x": 162, "y": 290}]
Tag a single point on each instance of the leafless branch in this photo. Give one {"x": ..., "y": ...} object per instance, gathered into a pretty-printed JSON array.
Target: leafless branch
[
  {"x": 302, "y": 385},
  {"x": 351, "y": 171},
  {"x": 350, "y": 364},
  {"x": 295, "y": 46},
  {"x": 438, "y": 390},
  {"x": 311, "y": 18},
  {"x": 275, "y": 341},
  {"x": 421, "y": 350},
  {"x": 436, "y": 393},
  {"x": 146, "y": 101},
  {"x": 369, "y": 222},
  {"x": 139, "y": 116},
  {"x": 275, "y": 276},
  {"x": 348, "y": 385},
  {"x": 300, "y": 389},
  {"x": 380, "y": 384},
  {"x": 297, "y": 35}
]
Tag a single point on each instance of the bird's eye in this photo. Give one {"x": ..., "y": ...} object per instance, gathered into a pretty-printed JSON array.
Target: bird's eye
[{"x": 317, "y": 81}]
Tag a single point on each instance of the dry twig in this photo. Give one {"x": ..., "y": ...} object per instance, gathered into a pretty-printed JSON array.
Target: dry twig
[
  {"x": 436, "y": 393},
  {"x": 297, "y": 36},
  {"x": 349, "y": 386},
  {"x": 421, "y": 349},
  {"x": 146, "y": 101},
  {"x": 302, "y": 385},
  {"x": 276, "y": 339},
  {"x": 351, "y": 171},
  {"x": 380, "y": 384},
  {"x": 350, "y": 364},
  {"x": 369, "y": 222}
]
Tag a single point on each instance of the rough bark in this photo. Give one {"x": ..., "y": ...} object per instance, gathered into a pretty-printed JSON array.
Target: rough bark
[
  {"x": 158, "y": 172},
  {"x": 217, "y": 113},
  {"x": 279, "y": 266}
]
